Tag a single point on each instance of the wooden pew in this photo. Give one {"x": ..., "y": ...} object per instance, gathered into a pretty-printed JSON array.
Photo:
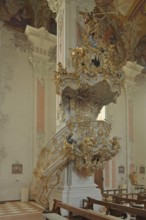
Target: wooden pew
[
  {"x": 129, "y": 195},
  {"x": 110, "y": 197},
  {"x": 142, "y": 196},
  {"x": 109, "y": 193},
  {"x": 117, "y": 209},
  {"x": 74, "y": 212},
  {"x": 140, "y": 188},
  {"x": 114, "y": 191},
  {"x": 131, "y": 202}
]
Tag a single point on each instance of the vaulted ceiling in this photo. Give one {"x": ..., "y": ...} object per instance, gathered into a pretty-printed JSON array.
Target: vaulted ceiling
[
  {"x": 132, "y": 10},
  {"x": 135, "y": 11},
  {"x": 19, "y": 13}
]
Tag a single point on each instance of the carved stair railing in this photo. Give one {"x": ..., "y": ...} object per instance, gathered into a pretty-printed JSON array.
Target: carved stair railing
[{"x": 50, "y": 164}]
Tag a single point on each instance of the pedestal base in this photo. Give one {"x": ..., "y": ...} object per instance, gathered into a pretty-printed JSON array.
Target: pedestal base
[
  {"x": 75, "y": 195},
  {"x": 75, "y": 189}
]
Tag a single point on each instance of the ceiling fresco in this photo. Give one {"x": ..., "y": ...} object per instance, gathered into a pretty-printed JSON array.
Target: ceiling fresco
[
  {"x": 132, "y": 10},
  {"x": 17, "y": 14},
  {"x": 138, "y": 10}
]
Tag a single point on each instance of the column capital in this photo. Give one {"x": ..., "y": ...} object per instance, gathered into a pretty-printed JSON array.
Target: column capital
[
  {"x": 131, "y": 69},
  {"x": 43, "y": 50},
  {"x": 41, "y": 39}
]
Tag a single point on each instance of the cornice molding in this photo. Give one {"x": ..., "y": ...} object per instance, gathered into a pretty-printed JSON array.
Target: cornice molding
[
  {"x": 40, "y": 38},
  {"x": 43, "y": 50},
  {"x": 43, "y": 43}
]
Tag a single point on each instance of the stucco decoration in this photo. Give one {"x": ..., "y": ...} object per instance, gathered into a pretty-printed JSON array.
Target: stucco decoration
[
  {"x": 52, "y": 54},
  {"x": 140, "y": 79},
  {"x": 51, "y": 165},
  {"x": 20, "y": 41},
  {"x": 6, "y": 75},
  {"x": 43, "y": 63},
  {"x": 95, "y": 80},
  {"x": 55, "y": 4},
  {"x": 135, "y": 79},
  {"x": 43, "y": 46},
  {"x": 5, "y": 86}
]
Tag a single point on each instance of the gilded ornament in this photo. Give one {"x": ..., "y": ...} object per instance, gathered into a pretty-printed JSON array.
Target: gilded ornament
[{"x": 95, "y": 80}]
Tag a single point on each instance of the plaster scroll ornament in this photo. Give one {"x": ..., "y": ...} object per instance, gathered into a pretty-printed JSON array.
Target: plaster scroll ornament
[
  {"x": 95, "y": 81},
  {"x": 55, "y": 5}
]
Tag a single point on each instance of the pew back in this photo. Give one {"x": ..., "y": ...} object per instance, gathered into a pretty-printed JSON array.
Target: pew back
[
  {"x": 139, "y": 213},
  {"x": 85, "y": 214},
  {"x": 131, "y": 202},
  {"x": 109, "y": 193}
]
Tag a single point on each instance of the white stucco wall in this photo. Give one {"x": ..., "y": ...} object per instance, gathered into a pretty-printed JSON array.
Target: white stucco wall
[
  {"x": 140, "y": 133},
  {"x": 16, "y": 92},
  {"x": 116, "y": 115},
  {"x": 128, "y": 121}
]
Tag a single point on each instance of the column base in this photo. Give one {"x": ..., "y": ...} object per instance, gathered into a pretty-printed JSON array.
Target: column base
[{"x": 75, "y": 195}]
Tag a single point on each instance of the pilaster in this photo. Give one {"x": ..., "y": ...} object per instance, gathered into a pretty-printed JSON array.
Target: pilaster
[
  {"x": 132, "y": 69},
  {"x": 43, "y": 62},
  {"x": 5, "y": 78}
]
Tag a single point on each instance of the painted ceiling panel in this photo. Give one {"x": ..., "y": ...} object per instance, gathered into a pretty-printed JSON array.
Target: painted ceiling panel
[
  {"x": 17, "y": 14},
  {"x": 132, "y": 10}
]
